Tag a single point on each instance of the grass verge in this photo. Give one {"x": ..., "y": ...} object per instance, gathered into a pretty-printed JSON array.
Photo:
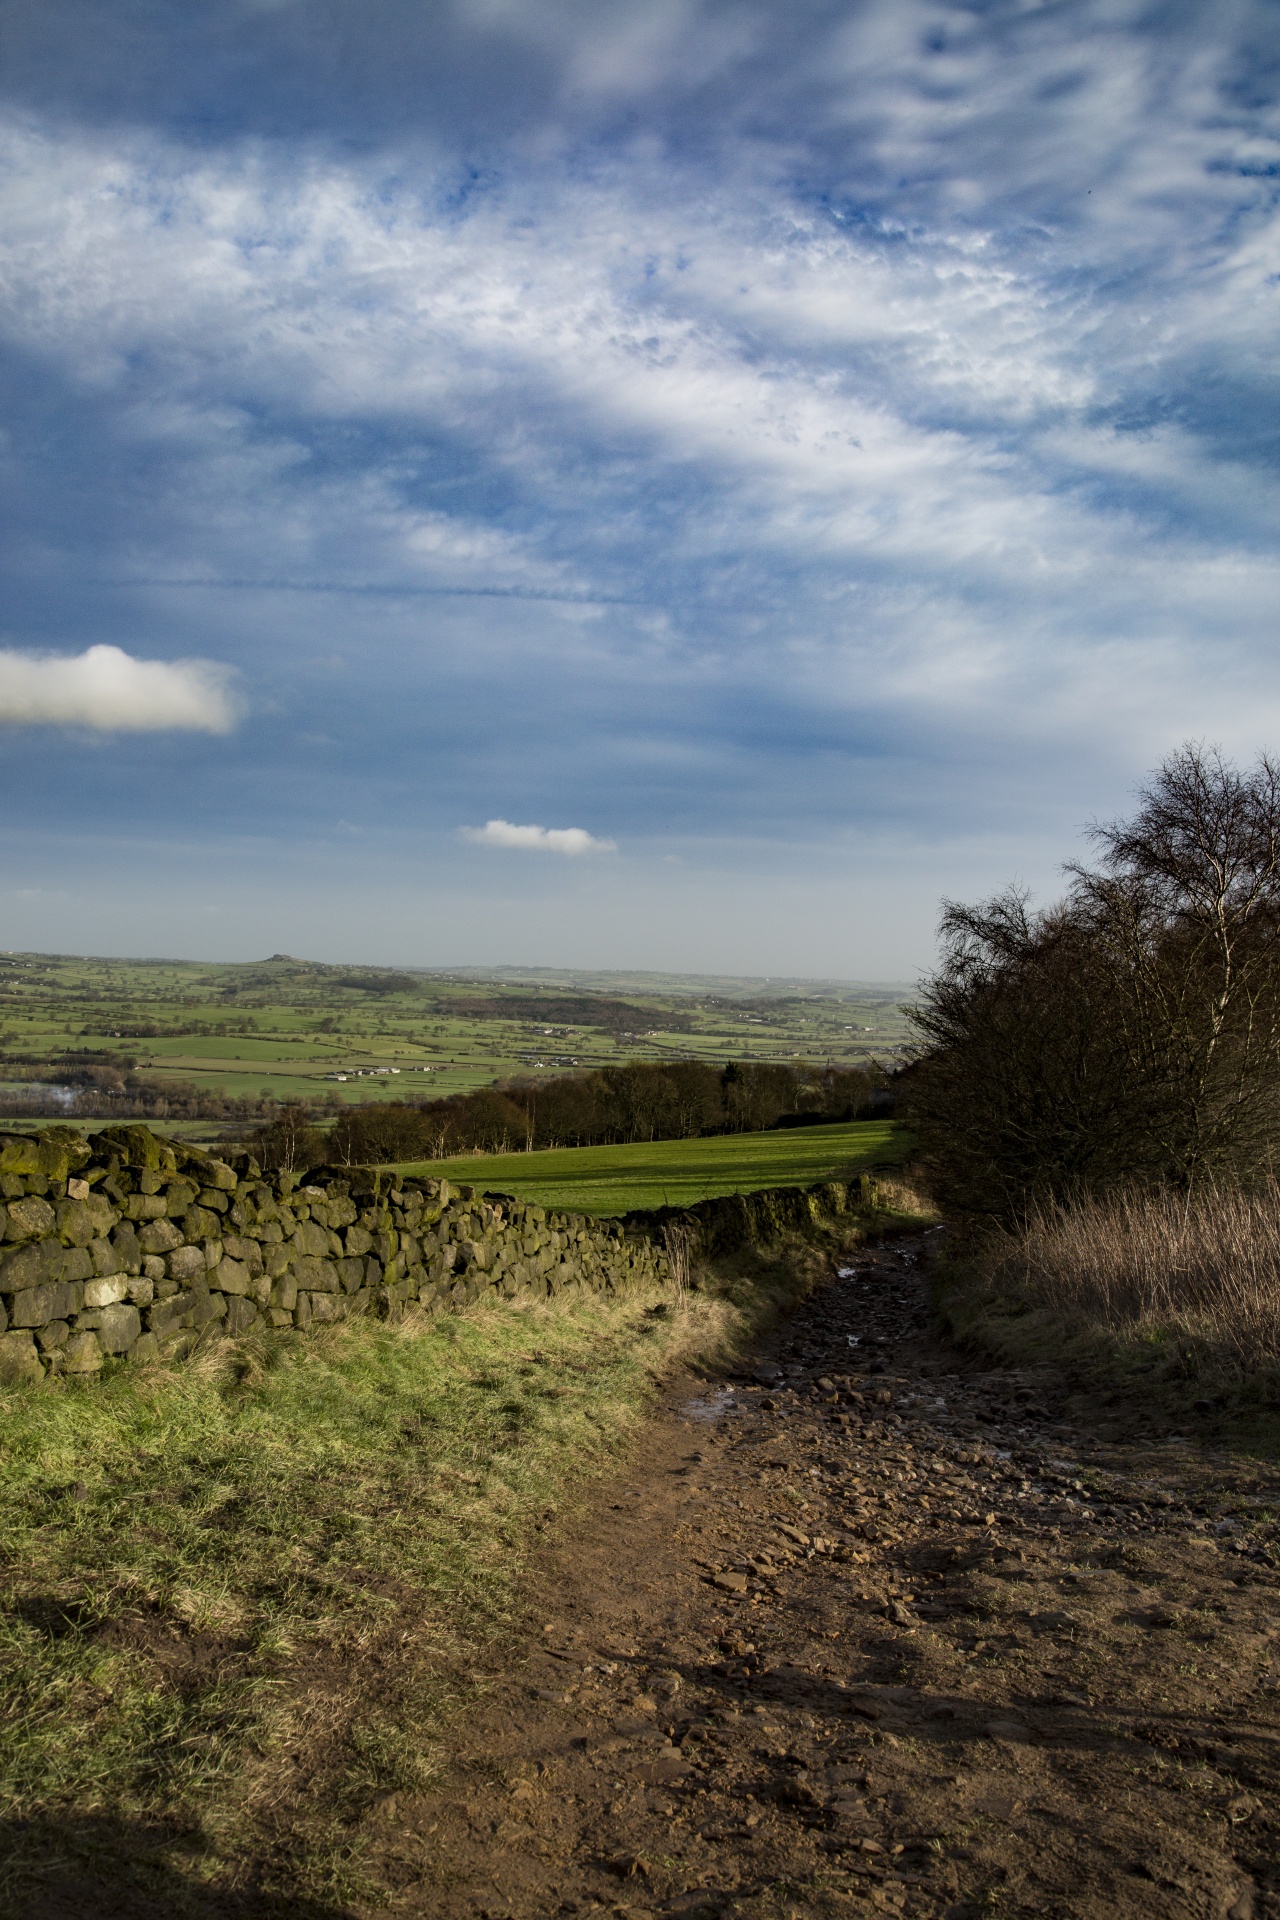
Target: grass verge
[
  {"x": 240, "y": 1599},
  {"x": 676, "y": 1173},
  {"x": 1172, "y": 1298}
]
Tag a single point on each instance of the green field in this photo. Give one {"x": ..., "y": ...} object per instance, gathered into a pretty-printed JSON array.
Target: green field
[
  {"x": 659, "y": 1173},
  {"x": 288, "y": 1029}
]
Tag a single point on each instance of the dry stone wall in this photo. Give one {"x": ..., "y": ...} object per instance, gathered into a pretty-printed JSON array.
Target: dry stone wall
[
  {"x": 733, "y": 1220},
  {"x": 120, "y": 1245}
]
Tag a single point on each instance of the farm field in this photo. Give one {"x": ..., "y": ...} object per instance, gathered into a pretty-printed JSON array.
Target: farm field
[
  {"x": 657, "y": 1173},
  {"x": 290, "y": 1029}
]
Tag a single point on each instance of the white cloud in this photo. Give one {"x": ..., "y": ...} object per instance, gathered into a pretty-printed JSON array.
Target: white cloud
[
  {"x": 107, "y": 689},
  {"x": 571, "y": 840},
  {"x": 856, "y": 400},
  {"x": 964, "y": 437}
]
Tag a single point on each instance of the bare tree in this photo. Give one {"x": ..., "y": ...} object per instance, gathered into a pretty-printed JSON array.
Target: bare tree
[
  {"x": 1187, "y": 907},
  {"x": 1022, "y": 1089},
  {"x": 1132, "y": 1030}
]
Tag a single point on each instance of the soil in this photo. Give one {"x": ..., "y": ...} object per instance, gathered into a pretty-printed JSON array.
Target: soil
[{"x": 869, "y": 1630}]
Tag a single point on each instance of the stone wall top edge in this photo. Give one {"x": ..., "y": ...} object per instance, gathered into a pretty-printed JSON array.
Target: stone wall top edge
[{"x": 122, "y": 1153}]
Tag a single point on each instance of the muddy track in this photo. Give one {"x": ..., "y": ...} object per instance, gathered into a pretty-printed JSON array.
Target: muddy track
[{"x": 866, "y": 1630}]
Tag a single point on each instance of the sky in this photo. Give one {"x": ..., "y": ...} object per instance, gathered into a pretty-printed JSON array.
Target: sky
[{"x": 670, "y": 483}]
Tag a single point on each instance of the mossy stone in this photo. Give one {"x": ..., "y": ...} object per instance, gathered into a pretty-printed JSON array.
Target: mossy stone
[{"x": 19, "y": 1360}]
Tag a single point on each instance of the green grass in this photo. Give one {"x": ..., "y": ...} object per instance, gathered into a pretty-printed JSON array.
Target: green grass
[
  {"x": 239, "y": 1597},
  {"x": 611, "y": 1180},
  {"x": 241, "y": 1600}
]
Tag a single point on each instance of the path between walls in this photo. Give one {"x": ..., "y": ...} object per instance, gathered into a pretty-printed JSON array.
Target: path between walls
[{"x": 847, "y": 1641}]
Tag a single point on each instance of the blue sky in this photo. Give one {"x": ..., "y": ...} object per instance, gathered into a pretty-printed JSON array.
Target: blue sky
[{"x": 806, "y": 459}]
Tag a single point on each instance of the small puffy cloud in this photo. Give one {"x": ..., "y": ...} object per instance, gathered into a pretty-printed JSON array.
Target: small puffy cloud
[
  {"x": 570, "y": 840},
  {"x": 107, "y": 689}
]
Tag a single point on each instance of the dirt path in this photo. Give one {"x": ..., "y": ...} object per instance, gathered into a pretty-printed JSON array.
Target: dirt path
[{"x": 871, "y": 1631}]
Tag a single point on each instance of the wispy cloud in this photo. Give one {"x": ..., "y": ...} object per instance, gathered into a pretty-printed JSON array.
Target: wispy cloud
[
  {"x": 745, "y": 423},
  {"x": 570, "y": 840},
  {"x": 106, "y": 689}
]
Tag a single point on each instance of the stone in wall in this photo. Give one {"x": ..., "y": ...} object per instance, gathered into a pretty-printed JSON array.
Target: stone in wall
[{"x": 121, "y": 1245}]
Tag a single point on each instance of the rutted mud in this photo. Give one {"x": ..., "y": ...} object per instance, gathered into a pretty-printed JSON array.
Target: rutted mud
[{"x": 868, "y": 1631}]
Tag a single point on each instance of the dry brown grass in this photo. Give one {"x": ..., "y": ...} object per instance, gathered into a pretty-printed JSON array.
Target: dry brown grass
[
  {"x": 1203, "y": 1269},
  {"x": 905, "y": 1195}
]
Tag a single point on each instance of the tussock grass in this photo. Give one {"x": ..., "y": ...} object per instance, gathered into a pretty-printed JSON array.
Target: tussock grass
[
  {"x": 241, "y": 1599},
  {"x": 1201, "y": 1267},
  {"x": 1165, "y": 1293}
]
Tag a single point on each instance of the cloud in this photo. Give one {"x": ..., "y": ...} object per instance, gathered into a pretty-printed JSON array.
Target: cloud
[
  {"x": 107, "y": 689},
  {"x": 718, "y": 419},
  {"x": 570, "y": 840}
]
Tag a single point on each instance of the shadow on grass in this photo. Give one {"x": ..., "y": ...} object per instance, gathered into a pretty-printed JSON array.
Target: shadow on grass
[{"x": 104, "y": 1867}]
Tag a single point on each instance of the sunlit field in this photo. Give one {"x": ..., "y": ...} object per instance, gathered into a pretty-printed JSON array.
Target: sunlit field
[
  {"x": 657, "y": 1173},
  {"x": 286, "y": 1029}
]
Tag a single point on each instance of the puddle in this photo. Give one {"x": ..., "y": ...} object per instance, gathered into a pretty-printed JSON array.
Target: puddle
[{"x": 711, "y": 1406}]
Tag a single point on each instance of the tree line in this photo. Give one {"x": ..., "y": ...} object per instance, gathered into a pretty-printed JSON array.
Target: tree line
[
  {"x": 1131, "y": 1031},
  {"x": 640, "y": 1100},
  {"x": 121, "y": 1095}
]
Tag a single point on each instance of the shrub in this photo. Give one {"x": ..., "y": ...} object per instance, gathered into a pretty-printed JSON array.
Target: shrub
[{"x": 1133, "y": 1029}]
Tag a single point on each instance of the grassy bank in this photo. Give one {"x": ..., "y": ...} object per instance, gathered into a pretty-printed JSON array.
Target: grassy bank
[
  {"x": 1154, "y": 1291},
  {"x": 659, "y": 1173},
  {"x": 240, "y": 1598}
]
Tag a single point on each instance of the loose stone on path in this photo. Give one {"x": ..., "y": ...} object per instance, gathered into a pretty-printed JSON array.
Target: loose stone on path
[{"x": 897, "y": 1636}]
